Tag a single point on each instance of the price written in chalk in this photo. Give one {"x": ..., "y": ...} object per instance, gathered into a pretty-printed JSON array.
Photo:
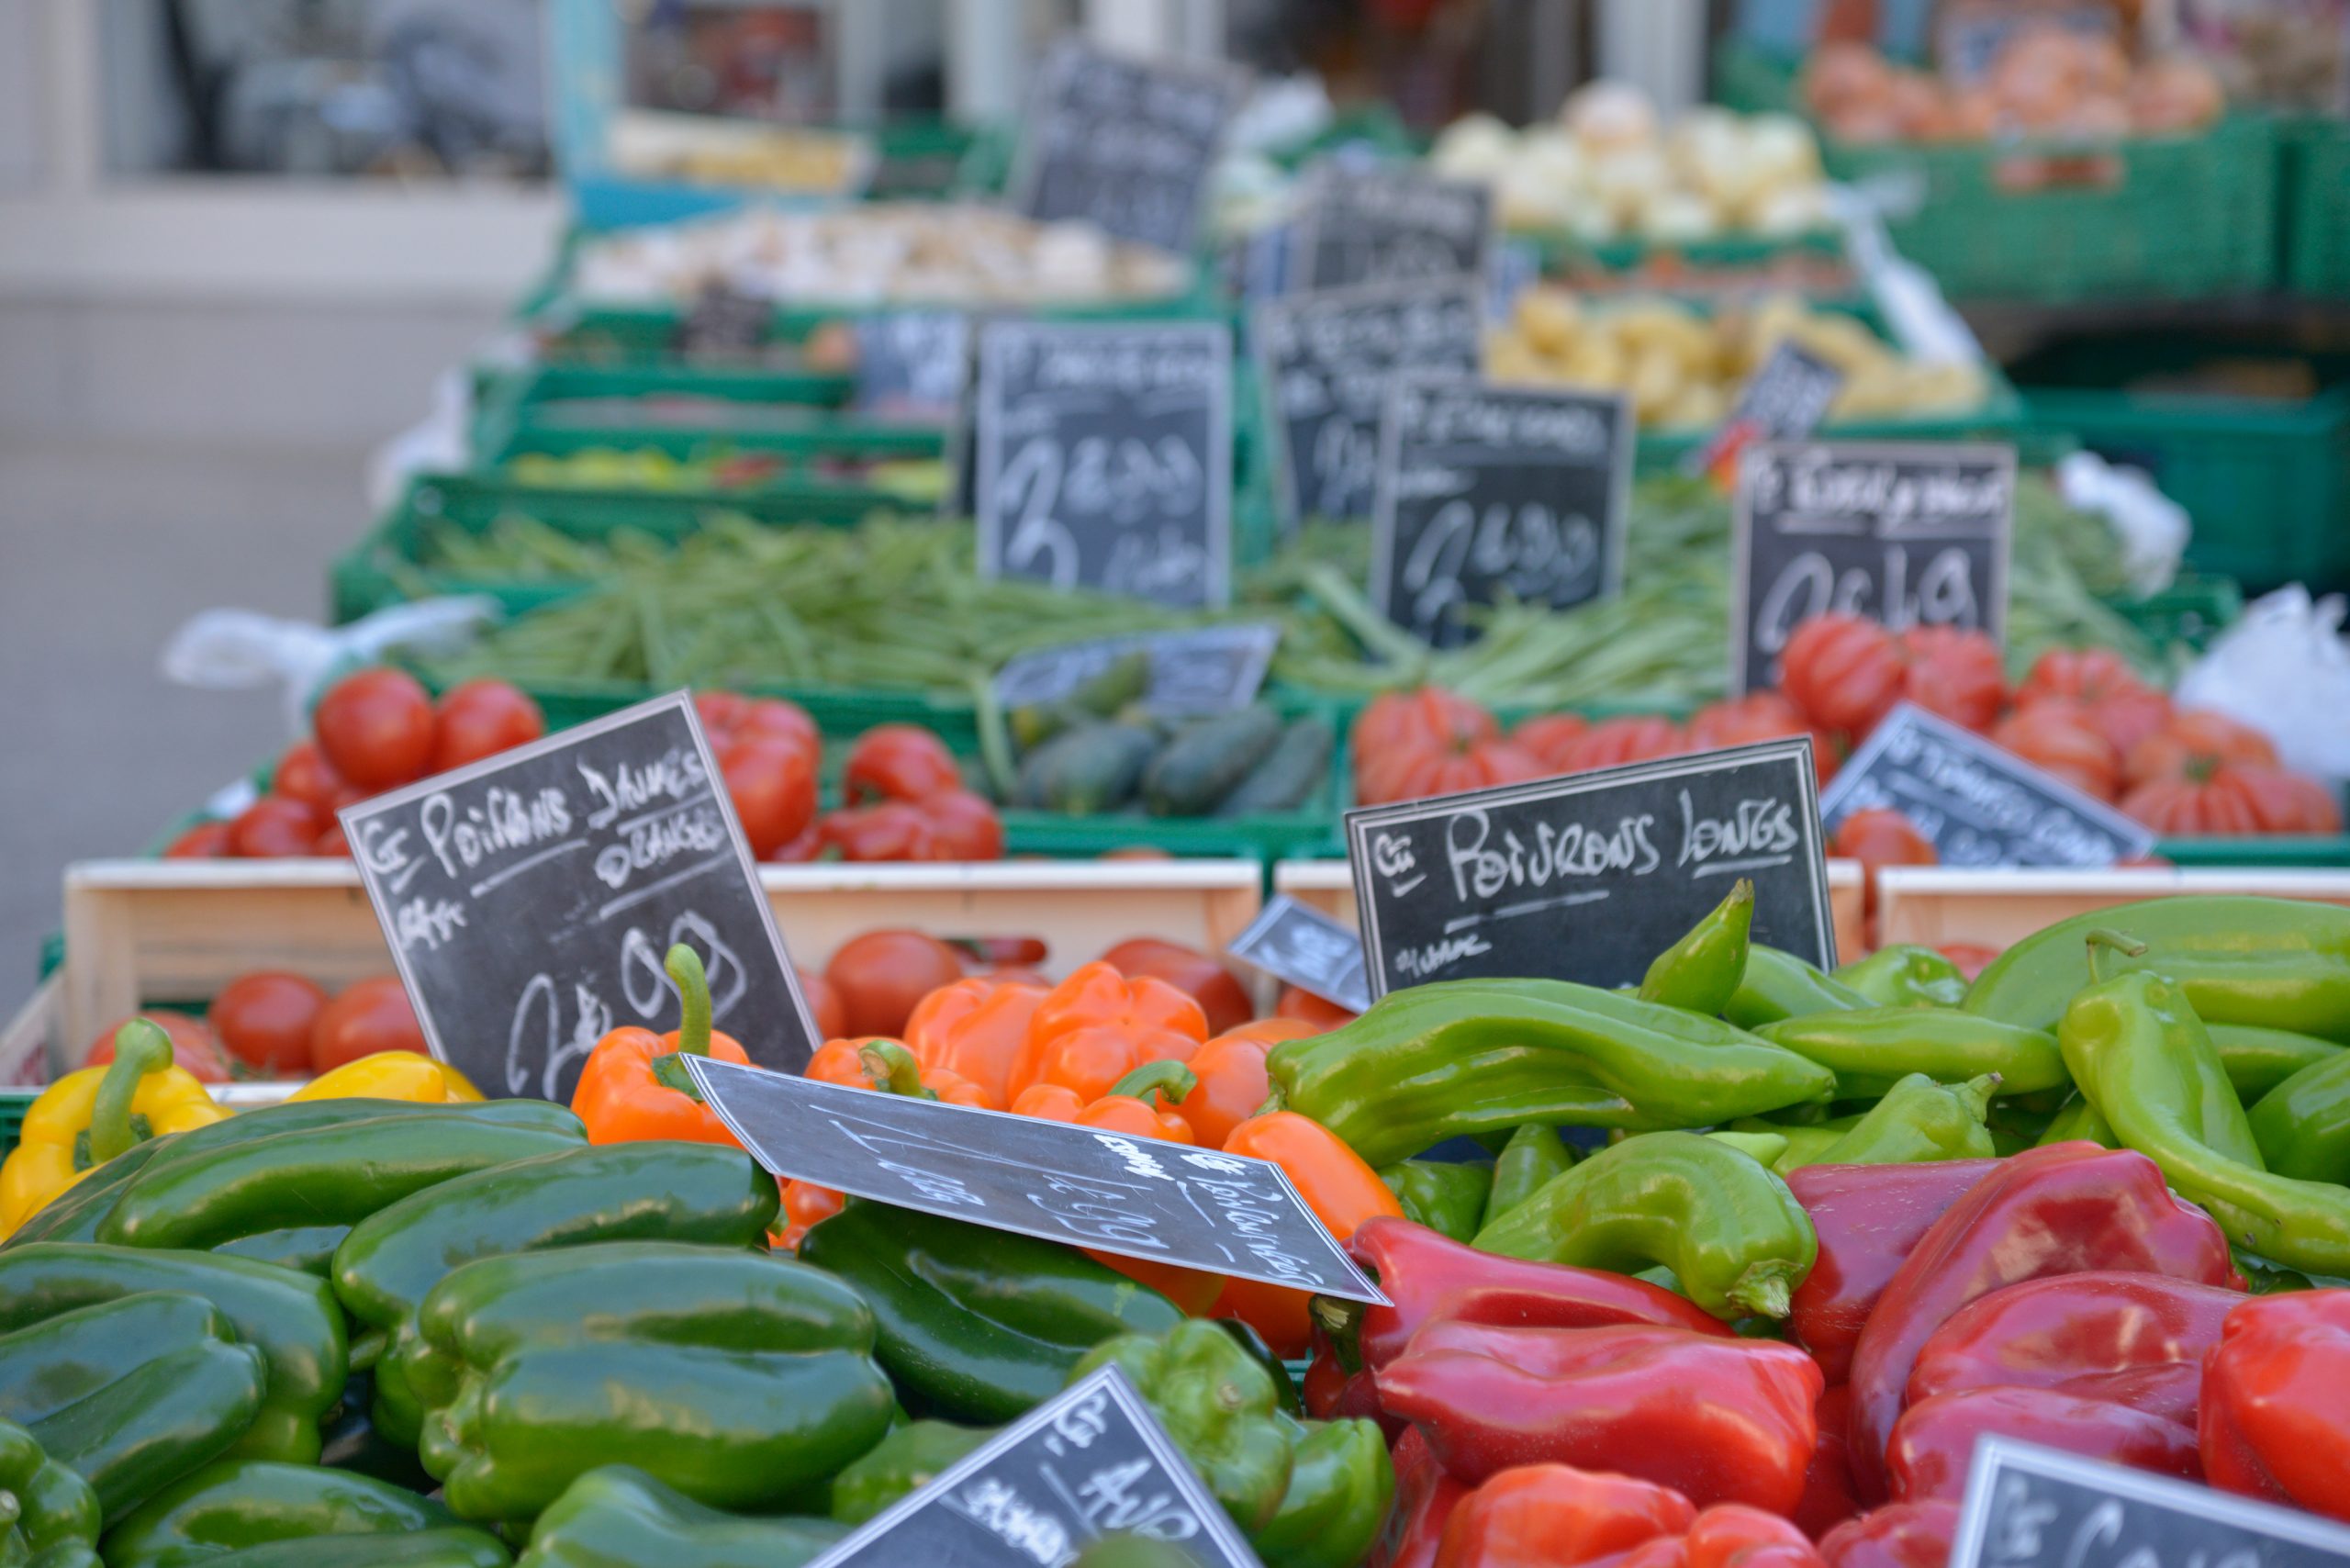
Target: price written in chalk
[
  {"x": 1125, "y": 143},
  {"x": 1589, "y": 877},
  {"x": 1302, "y": 947},
  {"x": 1907, "y": 535},
  {"x": 530, "y": 900},
  {"x": 1388, "y": 225}
]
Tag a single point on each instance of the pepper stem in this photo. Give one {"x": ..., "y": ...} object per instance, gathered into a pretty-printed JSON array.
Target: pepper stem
[
  {"x": 893, "y": 1069},
  {"x": 693, "y": 997},
  {"x": 1975, "y": 1094},
  {"x": 2102, "y": 941},
  {"x": 1342, "y": 1321},
  {"x": 140, "y": 1049},
  {"x": 1168, "y": 1079}
]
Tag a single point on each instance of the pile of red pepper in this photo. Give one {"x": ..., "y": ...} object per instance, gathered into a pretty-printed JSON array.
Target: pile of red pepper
[{"x": 1548, "y": 1415}]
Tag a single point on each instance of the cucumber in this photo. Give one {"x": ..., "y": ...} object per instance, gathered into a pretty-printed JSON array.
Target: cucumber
[
  {"x": 1085, "y": 770},
  {"x": 1206, "y": 762},
  {"x": 1123, "y": 682},
  {"x": 1289, "y": 774}
]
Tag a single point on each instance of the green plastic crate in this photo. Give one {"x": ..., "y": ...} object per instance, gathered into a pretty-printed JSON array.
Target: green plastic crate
[
  {"x": 509, "y": 401},
  {"x": 1754, "y": 81},
  {"x": 14, "y": 1103},
  {"x": 2316, "y": 207}
]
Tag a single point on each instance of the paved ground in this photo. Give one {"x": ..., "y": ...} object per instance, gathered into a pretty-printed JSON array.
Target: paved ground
[{"x": 105, "y": 549}]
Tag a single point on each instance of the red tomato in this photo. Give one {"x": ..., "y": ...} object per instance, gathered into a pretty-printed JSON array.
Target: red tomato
[
  {"x": 375, "y": 728},
  {"x": 273, "y": 827},
  {"x": 333, "y": 843},
  {"x": 1408, "y": 745},
  {"x": 1549, "y": 735},
  {"x": 2194, "y": 744},
  {"x": 773, "y": 785},
  {"x": 899, "y": 762},
  {"x": 1611, "y": 743},
  {"x": 823, "y": 1005},
  {"x": 895, "y": 830},
  {"x": 205, "y": 840},
  {"x": 265, "y": 1019},
  {"x": 1882, "y": 837},
  {"x": 881, "y": 975},
  {"x": 2059, "y": 736},
  {"x": 779, "y": 719},
  {"x": 1207, "y": 982},
  {"x": 802, "y": 849},
  {"x": 721, "y": 713},
  {"x": 1954, "y": 673},
  {"x": 369, "y": 1016},
  {"x": 2084, "y": 675},
  {"x": 2126, "y": 718},
  {"x": 1760, "y": 716},
  {"x": 193, "y": 1046},
  {"x": 2233, "y": 797},
  {"x": 481, "y": 718},
  {"x": 1308, "y": 1008},
  {"x": 304, "y": 775},
  {"x": 1843, "y": 672},
  {"x": 966, "y": 827}
]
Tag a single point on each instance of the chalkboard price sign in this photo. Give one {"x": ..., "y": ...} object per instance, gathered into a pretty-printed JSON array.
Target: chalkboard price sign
[
  {"x": 914, "y": 364},
  {"x": 1302, "y": 947},
  {"x": 1390, "y": 225},
  {"x": 2027, "y": 1506},
  {"x": 1104, "y": 456},
  {"x": 1785, "y": 400},
  {"x": 724, "y": 322},
  {"x": 1485, "y": 491},
  {"x": 1978, "y": 804},
  {"x": 1210, "y": 669},
  {"x": 1903, "y": 534},
  {"x": 1327, "y": 363},
  {"x": 1125, "y": 143},
  {"x": 530, "y": 899},
  {"x": 1091, "y": 1461},
  {"x": 1191, "y": 1208},
  {"x": 1588, "y": 878}
]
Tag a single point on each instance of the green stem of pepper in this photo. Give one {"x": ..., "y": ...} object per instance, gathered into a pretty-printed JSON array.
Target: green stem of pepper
[
  {"x": 893, "y": 1068},
  {"x": 2102, "y": 941},
  {"x": 684, "y": 965},
  {"x": 1169, "y": 1080},
  {"x": 140, "y": 1049}
]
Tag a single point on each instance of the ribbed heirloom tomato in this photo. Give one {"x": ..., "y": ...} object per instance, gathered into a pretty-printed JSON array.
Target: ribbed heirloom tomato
[
  {"x": 2081, "y": 675},
  {"x": 2058, "y": 735},
  {"x": 1430, "y": 742},
  {"x": 1760, "y": 716},
  {"x": 2192, "y": 744},
  {"x": 899, "y": 762},
  {"x": 1846, "y": 673},
  {"x": 1612, "y": 743}
]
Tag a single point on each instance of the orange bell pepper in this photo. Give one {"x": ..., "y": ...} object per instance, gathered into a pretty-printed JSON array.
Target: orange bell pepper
[
  {"x": 1097, "y": 996},
  {"x": 1091, "y": 1060},
  {"x": 1234, "y": 1085},
  {"x": 890, "y": 1068},
  {"x": 804, "y": 1205},
  {"x": 1337, "y": 1185},
  {"x": 1128, "y": 1108},
  {"x": 837, "y": 1061},
  {"x": 633, "y": 1087},
  {"x": 977, "y": 1028}
]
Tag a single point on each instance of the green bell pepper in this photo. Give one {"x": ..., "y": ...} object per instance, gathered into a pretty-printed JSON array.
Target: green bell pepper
[
  {"x": 64, "y": 1359},
  {"x": 49, "y": 1515},
  {"x": 1870, "y": 1049},
  {"x": 291, "y": 1319},
  {"x": 1918, "y": 1121},
  {"x": 241, "y": 1504},
  {"x": 1778, "y": 985},
  {"x": 337, "y": 1173},
  {"x": 1701, "y": 972},
  {"x": 673, "y": 1191},
  {"x": 168, "y": 1413},
  {"x": 455, "y": 1546},
  {"x": 617, "y": 1517},
  {"x": 977, "y": 1325},
  {"x": 902, "y": 1464},
  {"x": 1340, "y": 1484},
  {"x": 1219, "y": 1407},
  {"x": 1467, "y": 1057},
  {"x": 1729, "y": 1229},
  {"x": 1446, "y": 1197},
  {"x": 1534, "y": 1154},
  {"x": 1133, "y": 1551},
  {"x": 1905, "y": 976},
  {"x": 741, "y": 1378},
  {"x": 307, "y": 1249}
]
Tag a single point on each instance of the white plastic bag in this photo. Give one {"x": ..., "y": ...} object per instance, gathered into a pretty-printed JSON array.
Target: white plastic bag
[
  {"x": 2153, "y": 528},
  {"x": 2285, "y": 670},
  {"x": 230, "y": 648}
]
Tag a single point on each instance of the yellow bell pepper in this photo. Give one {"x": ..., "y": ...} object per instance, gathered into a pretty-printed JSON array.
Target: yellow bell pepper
[
  {"x": 390, "y": 1075},
  {"x": 87, "y": 1117}
]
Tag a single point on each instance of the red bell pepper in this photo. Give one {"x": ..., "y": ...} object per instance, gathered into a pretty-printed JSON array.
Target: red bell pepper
[
  {"x": 1426, "y": 1496},
  {"x": 1727, "y": 1535},
  {"x": 2066, "y": 1209},
  {"x": 2275, "y": 1421},
  {"x": 1551, "y": 1515},
  {"x": 1430, "y": 1277},
  {"x": 1934, "y": 1442},
  {"x": 1899, "y": 1535},
  {"x": 2136, "y": 1339},
  {"x": 1868, "y": 1217},
  {"x": 1827, "y": 1499},
  {"x": 1721, "y": 1420}
]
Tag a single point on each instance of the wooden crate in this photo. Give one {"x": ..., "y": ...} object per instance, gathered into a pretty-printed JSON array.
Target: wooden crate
[
  {"x": 1934, "y": 905},
  {"x": 144, "y": 932},
  {"x": 1329, "y": 886}
]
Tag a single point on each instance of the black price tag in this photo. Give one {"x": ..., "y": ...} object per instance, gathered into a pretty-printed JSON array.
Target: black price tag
[
  {"x": 1300, "y": 946},
  {"x": 1588, "y": 878},
  {"x": 530, "y": 898},
  {"x": 1213, "y": 670},
  {"x": 1978, "y": 804},
  {"x": 1329, "y": 361},
  {"x": 2027, "y": 1505},
  {"x": 1785, "y": 400},
  {"x": 1089, "y": 1463},
  {"x": 914, "y": 364},
  {"x": 1136, "y": 1197},
  {"x": 1104, "y": 457},
  {"x": 1390, "y": 225},
  {"x": 1906, "y": 535},
  {"x": 1485, "y": 491},
  {"x": 722, "y": 320},
  {"x": 1123, "y": 143}
]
